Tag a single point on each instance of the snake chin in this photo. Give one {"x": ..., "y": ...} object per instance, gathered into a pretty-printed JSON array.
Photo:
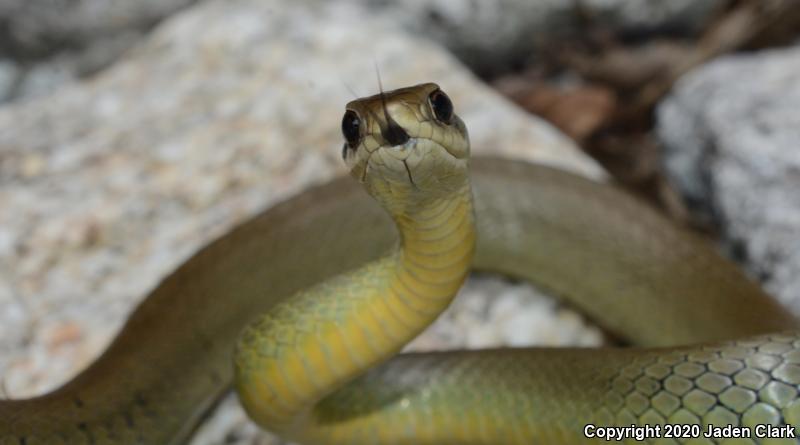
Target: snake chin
[
  {"x": 401, "y": 181},
  {"x": 421, "y": 164}
]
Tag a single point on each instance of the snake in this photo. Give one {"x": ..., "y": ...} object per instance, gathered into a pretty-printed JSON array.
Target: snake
[{"x": 306, "y": 308}]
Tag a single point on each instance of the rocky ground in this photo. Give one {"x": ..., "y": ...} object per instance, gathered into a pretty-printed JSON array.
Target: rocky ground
[{"x": 173, "y": 122}]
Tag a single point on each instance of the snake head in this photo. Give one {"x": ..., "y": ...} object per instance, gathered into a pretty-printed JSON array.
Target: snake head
[{"x": 406, "y": 145}]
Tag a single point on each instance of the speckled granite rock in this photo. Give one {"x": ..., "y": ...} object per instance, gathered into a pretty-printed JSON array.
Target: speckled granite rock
[
  {"x": 731, "y": 132},
  {"x": 109, "y": 184}
]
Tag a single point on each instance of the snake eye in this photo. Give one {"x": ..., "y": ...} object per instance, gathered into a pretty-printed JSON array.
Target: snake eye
[
  {"x": 442, "y": 106},
  {"x": 351, "y": 128}
]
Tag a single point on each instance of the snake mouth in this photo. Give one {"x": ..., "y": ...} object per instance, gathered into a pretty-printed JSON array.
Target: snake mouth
[
  {"x": 420, "y": 163},
  {"x": 405, "y": 150},
  {"x": 459, "y": 156}
]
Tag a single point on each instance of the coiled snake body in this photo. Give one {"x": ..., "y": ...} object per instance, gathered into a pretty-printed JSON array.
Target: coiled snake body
[{"x": 318, "y": 368}]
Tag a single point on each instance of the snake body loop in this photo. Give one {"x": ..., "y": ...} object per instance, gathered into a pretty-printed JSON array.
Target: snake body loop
[{"x": 341, "y": 295}]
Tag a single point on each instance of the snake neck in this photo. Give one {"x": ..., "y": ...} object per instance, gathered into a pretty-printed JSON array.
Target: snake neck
[
  {"x": 437, "y": 241},
  {"x": 320, "y": 339}
]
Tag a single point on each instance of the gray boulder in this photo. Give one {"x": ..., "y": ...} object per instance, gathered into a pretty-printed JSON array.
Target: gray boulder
[
  {"x": 40, "y": 27},
  {"x": 50, "y": 42},
  {"x": 731, "y": 136}
]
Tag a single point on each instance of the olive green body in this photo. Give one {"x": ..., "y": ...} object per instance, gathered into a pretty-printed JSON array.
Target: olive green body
[{"x": 591, "y": 244}]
